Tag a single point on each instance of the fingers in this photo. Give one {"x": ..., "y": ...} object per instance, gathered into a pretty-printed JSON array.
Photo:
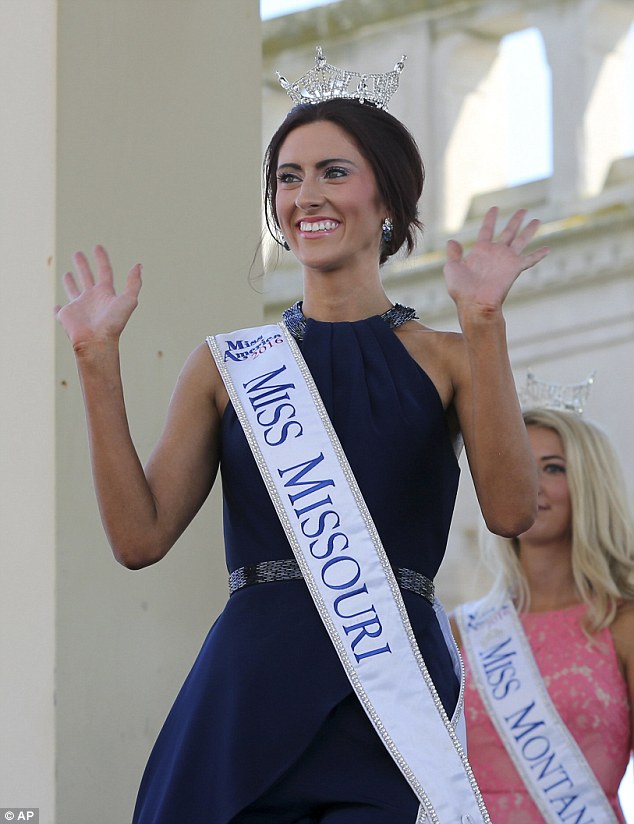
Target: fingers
[
  {"x": 535, "y": 257},
  {"x": 525, "y": 236},
  {"x": 83, "y": 270},
  {"x": 510, "y": 230},
  {"x": 454, "y": 251},
  {"x": 104, "y": 269},
  {"x": 134, "y": 282},
  {"x": 70, "y": 286},
  {"x": 104, "y": 274},
  {"x": 103, "y": 264},
  {"x": 512, "y": 235},
  {"x": 488, "y": 224}
]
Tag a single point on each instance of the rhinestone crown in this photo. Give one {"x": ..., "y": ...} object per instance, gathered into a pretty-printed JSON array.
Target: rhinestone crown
[
  {"x": 326, "y": 82},
  {"x": 567, "y": 397}
]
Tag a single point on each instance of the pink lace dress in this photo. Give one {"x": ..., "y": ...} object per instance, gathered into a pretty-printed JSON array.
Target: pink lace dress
[{"x": 590, "y": 694}]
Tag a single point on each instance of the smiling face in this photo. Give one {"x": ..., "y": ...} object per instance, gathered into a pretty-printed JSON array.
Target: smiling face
[
  {"x": 553, "y": 524},
  {"x": 327, "y": 202}
]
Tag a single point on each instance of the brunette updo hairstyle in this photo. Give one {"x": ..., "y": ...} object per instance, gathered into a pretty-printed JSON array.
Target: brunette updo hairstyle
[{"x": 383, "y": 141}]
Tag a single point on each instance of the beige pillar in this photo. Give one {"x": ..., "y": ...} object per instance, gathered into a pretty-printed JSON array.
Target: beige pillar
[
  {"x": 157, "y": 139},
  {"x": 27, "y": 451}
]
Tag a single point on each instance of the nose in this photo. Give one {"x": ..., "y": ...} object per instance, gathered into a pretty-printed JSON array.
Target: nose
[
  {"x": 540, "y": 481},
  {"x": 309, "y": 195}
]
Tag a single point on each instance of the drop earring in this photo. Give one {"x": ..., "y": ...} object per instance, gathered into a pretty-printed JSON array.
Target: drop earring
[{"x": 387, "y": 231}]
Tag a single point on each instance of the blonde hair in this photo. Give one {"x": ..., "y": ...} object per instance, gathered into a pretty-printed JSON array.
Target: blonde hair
[{"x": 602, "y": 528}]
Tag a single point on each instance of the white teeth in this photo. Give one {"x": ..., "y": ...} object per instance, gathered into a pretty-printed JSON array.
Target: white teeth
[{"x": 317, "y": 226}]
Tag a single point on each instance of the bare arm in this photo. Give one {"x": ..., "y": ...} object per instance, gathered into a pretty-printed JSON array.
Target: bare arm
[
  {"x": 143, "y": 512},
  {"x": 483, "y": 387},
  {"x": 623, "y": 634},
  {"x": 455, "y": 631}
]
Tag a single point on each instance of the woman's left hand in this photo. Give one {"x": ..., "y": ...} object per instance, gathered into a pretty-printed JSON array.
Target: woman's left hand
[{"x": 480, "y": 280}]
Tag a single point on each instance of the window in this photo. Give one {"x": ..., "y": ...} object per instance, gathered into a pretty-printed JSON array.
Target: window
[{"x": 528, "y": 106}]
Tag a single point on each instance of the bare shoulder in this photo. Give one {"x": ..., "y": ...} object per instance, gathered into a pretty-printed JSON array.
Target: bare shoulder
[
  {"x": 201, "y": 361},
  {"x": 441, "y": 354},
  {"x": 622, "y": 629},
  {"x": 200, "y": 376},
  {"x": 625, "y": 615}
]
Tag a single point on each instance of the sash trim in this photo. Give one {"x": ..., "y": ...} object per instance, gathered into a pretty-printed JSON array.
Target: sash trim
[{"x": 470, "y": 618}]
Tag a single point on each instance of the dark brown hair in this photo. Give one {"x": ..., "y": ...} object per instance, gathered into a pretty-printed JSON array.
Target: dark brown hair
[{"x": 383, "y": 141}]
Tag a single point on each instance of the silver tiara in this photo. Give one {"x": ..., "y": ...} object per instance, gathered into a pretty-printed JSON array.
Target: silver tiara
[
  {"x": 326, "y": 82},
  {"x": 570, "y": 397}
]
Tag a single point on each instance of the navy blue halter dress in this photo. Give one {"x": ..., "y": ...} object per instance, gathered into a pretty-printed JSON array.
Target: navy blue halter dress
[{"x": 267, "y": 677}]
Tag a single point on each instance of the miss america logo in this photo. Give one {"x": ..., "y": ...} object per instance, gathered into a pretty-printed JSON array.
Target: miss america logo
[{"x": 240, "y": 350}]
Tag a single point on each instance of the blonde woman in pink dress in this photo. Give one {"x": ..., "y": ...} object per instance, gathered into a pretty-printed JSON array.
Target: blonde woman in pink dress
[{"x": 569, "y": 588}]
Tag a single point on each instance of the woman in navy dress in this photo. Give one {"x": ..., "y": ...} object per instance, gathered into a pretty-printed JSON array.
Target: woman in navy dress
[{"x": 267, "y": 727}]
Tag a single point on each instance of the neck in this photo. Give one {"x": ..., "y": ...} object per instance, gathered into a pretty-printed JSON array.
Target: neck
[
  {"x": 332, "y": 297},
  {"x": 548, "y": 572}
]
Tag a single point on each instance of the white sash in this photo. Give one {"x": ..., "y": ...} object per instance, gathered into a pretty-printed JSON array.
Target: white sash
[
  {"x": 345, "y": 566},
  {"x": 545, "y": 754}
]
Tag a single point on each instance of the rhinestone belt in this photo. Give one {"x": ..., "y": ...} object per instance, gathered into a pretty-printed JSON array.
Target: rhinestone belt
[{"x": 288, "y": 569}]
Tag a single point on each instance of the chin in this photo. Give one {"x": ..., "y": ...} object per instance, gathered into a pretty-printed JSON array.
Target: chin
[{"x": 323, "y": 265}]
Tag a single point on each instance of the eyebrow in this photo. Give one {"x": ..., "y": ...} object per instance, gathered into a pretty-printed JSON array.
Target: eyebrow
[
  {"x": 320, "y": 164},
  {"x": 550, "y": 457}
]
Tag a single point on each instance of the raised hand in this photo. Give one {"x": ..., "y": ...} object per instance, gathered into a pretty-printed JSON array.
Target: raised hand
[
  {"x": 95, "y": 312},
  {"x": 481, "y": 279}
]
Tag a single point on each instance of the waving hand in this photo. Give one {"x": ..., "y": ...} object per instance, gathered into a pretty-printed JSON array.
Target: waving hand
[
  {"x": 481, "y": 279},
  {"x": 95, "y": 311}
]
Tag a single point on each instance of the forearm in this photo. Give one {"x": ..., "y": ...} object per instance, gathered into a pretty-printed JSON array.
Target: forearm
[
  {"x": 498, "y": 448},
  {"x": 127, "y": 506}
]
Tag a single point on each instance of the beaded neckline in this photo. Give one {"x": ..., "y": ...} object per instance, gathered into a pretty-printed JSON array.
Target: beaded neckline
[{"x": 295, "y": 321}]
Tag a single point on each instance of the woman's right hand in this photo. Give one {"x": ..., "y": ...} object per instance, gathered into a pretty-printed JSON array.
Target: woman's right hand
[{"x": 95, "y": 312}]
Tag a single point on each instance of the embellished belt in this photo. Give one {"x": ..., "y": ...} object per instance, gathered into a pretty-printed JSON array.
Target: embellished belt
[{"x": 288, "y": 569}]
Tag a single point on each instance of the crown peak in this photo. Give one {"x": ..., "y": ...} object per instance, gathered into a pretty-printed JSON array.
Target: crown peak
[
  {"x": 570, "y": 397},
  {"x": 327, "y": 82}
]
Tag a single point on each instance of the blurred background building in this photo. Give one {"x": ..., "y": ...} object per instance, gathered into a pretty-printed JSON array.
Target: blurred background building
[{"x": 513, "y": 104}]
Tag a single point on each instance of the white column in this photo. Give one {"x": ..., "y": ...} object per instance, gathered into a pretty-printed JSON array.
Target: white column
[
  {"x": 27, "y": 450},
  {"x": 610, "y": 96},
  {"x": 470, "y": 127},
  {"x": 584, "y": 43}
]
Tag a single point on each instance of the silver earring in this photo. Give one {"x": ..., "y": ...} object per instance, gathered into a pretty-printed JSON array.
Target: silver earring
[{"x": 387, "y": 231}]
